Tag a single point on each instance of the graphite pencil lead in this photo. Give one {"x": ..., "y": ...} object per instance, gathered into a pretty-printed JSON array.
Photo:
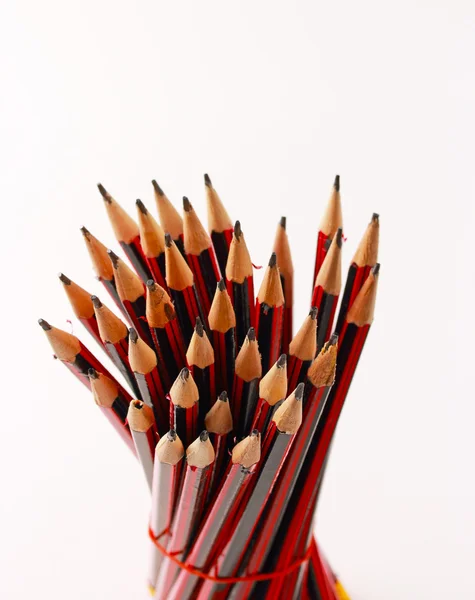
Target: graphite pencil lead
[
  {"x": 336, "y": 184},
  {"x": 168, "y": 240},
  {"x": 204, "y": 436},
  {"x": 64, "y": 279},
  {"x": 237, "y": 229},
  {"x": 333, "y": 339},
  {"x": 92, "y": 373},
  {"x": 141, "y": 206},
  {"x": 375, "y": 269},
  {"x": 221, "y": 285},
  {"x": 207, "y": 180},
  {"x": 104, "y": 193},
  {"x": 248, "y": 451},
  {"x": 157, "y": 188},
  {"x": 133, "y": 335},
  {"x": 339, "y": 237},
  {"x": 273, "y": 260},
  {"x": 281, "y": 361},
  {"x": 44, "y": 325},
  {"x": 251, "y": 334},
  {"x": 171, "y": 435},
  {"x": 97, "y": 303},
  {"x": 199, "y": 327},
  {"x": 223, "y": 397},
  {"x": 113, "y": 258},
  {"x": 186, "y": 204},
  {"x": 375, "y": 217},
  {"x": 313, "y": 313},
  {"x": 283, "y": 222},
  {"x": 299, "y": 391}
]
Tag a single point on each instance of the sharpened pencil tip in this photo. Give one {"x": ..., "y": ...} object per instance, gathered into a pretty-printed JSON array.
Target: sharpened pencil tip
[
  {"x": 273, "y": 260},
  {"x": 64, "y": 279},
  {"x": 313, "y": 313},
  {"x": 138, "y": 404},
  {"x": 375, "y": 269},
  {"x": 44, "y": 325},
  {"x": 223, "y": 397},
  {"x": 184, "y": 374},
  {"x": 283, "y": 222},
  {"x": 96, "y": 302},
  {"x": 339, "y": 237},
  {"x": 333, "y": 341},
  {"x": 199, "y": 327},
  {"x": 237, "y": 229},
  {"x": 187, "y": 204},
  {"x": 133, "y": 335},
  {"x": 375, "y": 218},
  {"x": 281, "y": 361},
  {"x": 336, "y": 185},
  {"x": 251, "y": 334},
  {"x": 171, "y": 435},
  {"x": 104, "y": 193},
  {"x": 150, "y": 285},
  {"x": 208, "y": 180},
  {"x": 114, "y": 258},
  {"x": 299, "y": 391},
  {"x": 157, "y": 188},
  {"x": 86, "y": 233},
  {"x": 255, "y": 433},
  {"x": 204, "y": 436},
  {"x": 141, "y": 207},
  {"x": 168, "y": 240},
  {"x": 92, "y": 373},
  {"x": 221, "y": 285}
]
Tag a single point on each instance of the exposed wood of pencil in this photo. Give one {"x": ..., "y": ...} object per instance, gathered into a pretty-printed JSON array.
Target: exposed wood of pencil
[
  {"x": 272, "y": 391},
  {"x": 222, "y": 323},
  {"x": 219, "y": 423},
  {"x": 302, "y": 349},
  {"x": 196, "y": 239},
  {"x": 142, "y": 425},
  {"x": 219, "y": 419},
  {"x": 111, "y": 328},
  {"x": 221, "y": 316},
  {"x": 237, "y": 480},
  {"x": 129, "y": 284},
  {"x": 218, "y": 218},
  {"x": 200, "y": 360},
  {"x": 200, "y": 352},
  {"x": 125, "y": 228},
  {"x": 248, "y": 361},
  {"x": 152, "y": 236},
  {"x": 362, "y": 311},
  {"x": 239, "y": 265},
  {"x": 184, "y": 392},
  {"x": 286, "y": 268},
  {"x": 366, "y": 254},
  {"x": 170, "y": 218},
  {"x": 248, "y": 371}
]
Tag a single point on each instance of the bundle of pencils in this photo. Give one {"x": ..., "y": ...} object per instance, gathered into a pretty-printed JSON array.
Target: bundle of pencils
[{"x": 230, "y": 414}]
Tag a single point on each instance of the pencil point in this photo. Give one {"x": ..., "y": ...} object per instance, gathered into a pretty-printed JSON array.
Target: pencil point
[
  {"x": 114, "y": 258},
  {"x": 141, "y": 206},
  {"x": 44, "y": 325},
  {"x": 204, "y": 436},
  {"x": 86, "y": 233},
  {"x": 199, "y": 327},
  {"x": 133, "y": 335},
  {"x": 339, "y": 237},
  {"x": 64, "y": 279},
  {"x": 299, "y": 391},
  {"x": 375, "y": 269},
  {"x": 255, "y": 433},
  {"x": 237, "y": 229},
  {"x": 96, "y": 302},
  {"x": 313, "y": 313},
  {"x": 375, "y": 218},
  {"x": 157, "y": 188},
  {"x": 283, "y": 222},
  {"x": 336, "y": 185},
  {"x": 223, "y": 397},
  {"x": 168, "y": 240},
  {"x": 251, "y": 334},
  {"x": 273, "y": 260},
  {"x": 333, "y": 341},
  {"x": 184, "y": 374},
  {"x": 186, "y": 204},
  {"x": 221, "y": 285},
  {"x": 281, "y": 361},
  {"x": 171, "y": 435},
  {"x": 92, "y": 373},
  {"x": 104, "y": 192},
  {"x": 208, "y": 180}
]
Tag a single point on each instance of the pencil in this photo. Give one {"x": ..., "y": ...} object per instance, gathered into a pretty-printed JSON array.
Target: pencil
[
  {"x": 327, "y": 290},
  {"x": 220, "y": 226},
  {"x": 219, "y": 424},
  {"x": 82, "y": 306},
  {"x": 247, "y": 372},
  {"x": 286, "y": 269},
  {"x": 240, "y": 284},
  {"x": 114, "y": 335},
  {"x": 182, "y": 289},
  {"x": 166, "y": 332},
  {"x": 102, "y": 266},
  {"x": 152, "y": 239},
  {"x": 126, "y": 232},
  {"x": 199, "y": 457},
  {"x": 331, "y": 222},
  {"x": 143, "y": 362},
  {"x": 200, "y": 256},
  {"x": 167, "y": 470},
  {"x": 170, "y": 218},
  {"x": 365, "y": 258},
  {"x": 113, "y": 400},
  {"x": 132, "y": 295},
  {"x": 144, "y": 433},
  {"x": 72, "y": 353},
  {"x": 239, "y": 475},
  {"x": 222, "y": 324},
  {"x": 272, "y": 392},
  {"x": 200, "y": 361},
  {"x": 269, "y": 314},
  {"x": 184, "y": 407},
  {"x": 302, "y": 349},
  {"x": 286, "y": 422}
]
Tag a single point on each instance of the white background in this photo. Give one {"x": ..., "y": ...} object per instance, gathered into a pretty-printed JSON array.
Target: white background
[{"x": 272, "y": 99}]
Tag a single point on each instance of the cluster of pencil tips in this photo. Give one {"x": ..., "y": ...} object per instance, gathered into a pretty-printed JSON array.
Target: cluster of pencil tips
[{"x": 230, "y": 415}]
